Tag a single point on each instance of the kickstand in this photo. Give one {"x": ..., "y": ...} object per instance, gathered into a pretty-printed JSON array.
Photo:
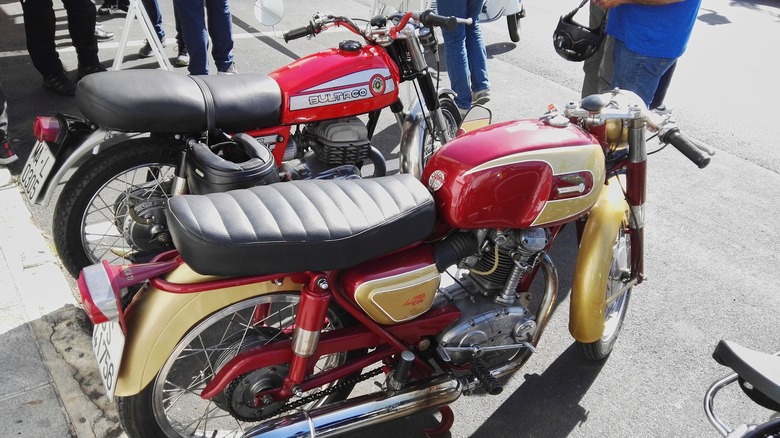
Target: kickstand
[{"x": 447, "y": 419}]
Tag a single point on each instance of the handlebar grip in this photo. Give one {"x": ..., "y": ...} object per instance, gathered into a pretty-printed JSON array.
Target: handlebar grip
[
  {"x": 430, "y": 19},
  {"x": 688, "y": 148},
  {"x": 298, "y": 33}
]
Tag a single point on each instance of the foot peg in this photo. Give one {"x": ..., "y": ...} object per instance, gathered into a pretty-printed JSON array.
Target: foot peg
[{"x": 488, "y": 382}]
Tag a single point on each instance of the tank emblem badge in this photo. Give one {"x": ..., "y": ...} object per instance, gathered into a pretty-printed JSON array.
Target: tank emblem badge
[
  {"x": 436, "y": 180},
  {"x": 377, "y": 85},
  {"x": 415, "y": 300}
]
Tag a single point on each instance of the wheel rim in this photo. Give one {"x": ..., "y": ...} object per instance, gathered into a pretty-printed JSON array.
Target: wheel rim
[
  {"x": 102, "y": 229},
  {"x": 176, "y": 402},
  {"x": 618, "y": 274}
]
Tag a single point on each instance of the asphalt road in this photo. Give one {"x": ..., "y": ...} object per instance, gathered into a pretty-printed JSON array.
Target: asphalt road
[{"x": 712, "y": 234}]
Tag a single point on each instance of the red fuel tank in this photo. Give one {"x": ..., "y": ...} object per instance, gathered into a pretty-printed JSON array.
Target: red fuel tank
[
  {"x": 517, "y": 174},
  {"x": 342, "y": 82}
]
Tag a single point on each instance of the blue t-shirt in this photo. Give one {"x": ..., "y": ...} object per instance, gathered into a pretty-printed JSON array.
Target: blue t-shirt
[{"x": 660, "y": 31}]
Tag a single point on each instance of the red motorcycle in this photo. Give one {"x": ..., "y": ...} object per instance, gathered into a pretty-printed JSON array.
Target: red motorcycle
[
  {"x": 280, "y": 299},
  {"x": 150, "y": 134}
]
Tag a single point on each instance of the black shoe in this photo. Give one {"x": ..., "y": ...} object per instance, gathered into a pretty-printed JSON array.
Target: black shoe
[
  {"x": 107, "y": 7},
  {"x": 102, "y": 35},
  {"x": 60, "y": 83},
  {"x": 89, "y": 69}
]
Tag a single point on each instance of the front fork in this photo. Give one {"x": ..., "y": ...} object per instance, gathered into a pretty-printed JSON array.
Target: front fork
[{"x": 636, "y": 192}]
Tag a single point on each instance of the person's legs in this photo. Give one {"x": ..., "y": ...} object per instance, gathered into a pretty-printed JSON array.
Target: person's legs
[
  {"x": 220, "y": 25},
  {"x": 155, "y": 17},
  {"x": 182, "y": 57},
  {"x": 637, "y": 73},
  {"x": 192, "y": 19},
  {"x": 7, "y": 155},
  {"x": 475, "y": 49},
  {"x": 590, "y": 83},
  {"x": 455, "y": 52},
  {"x": 81, "y": 26},
  {"x": 39, "y": 26},
  {"x": 663, "y": 86}
]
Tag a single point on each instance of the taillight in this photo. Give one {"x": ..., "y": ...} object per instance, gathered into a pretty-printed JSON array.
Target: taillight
[{"x": 47, "y": 128}]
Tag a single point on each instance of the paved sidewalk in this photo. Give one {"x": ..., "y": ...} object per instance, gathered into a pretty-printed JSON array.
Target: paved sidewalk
[{"x": 48, "y": 386}]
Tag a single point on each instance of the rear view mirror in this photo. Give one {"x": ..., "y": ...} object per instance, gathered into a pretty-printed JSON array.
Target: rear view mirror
[
  {"x": 477, "y": 117},
  {"x": 269, "y": 12}
]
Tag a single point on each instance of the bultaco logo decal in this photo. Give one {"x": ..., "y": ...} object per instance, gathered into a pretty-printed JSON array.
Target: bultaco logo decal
[
  {"x": 436, "y": 180},
  {"x": 349, "y": 88},
  {"x": 377, "y": 85}
]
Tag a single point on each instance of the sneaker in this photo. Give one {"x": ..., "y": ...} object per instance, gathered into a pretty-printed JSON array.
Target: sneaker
[
  {"x": 107, "y": 7},
  {"x": 102, "y": 35},
  {"x": 89, "y": 69},
  {"x": 146, "y": 50},
  {"x": 230, "y": 70},
  {"x": 60, "y": 83},
  {"x": 480, "y": 97},
  {"x": 183, "y": 58},
  {"x": 7, "y": 155}
]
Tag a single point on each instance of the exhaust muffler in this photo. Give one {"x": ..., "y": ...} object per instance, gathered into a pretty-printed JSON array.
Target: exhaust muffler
[{"x": 362, "y": 411}]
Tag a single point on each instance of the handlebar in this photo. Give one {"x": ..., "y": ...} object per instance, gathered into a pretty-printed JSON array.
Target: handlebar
[
  {"x": 430, "y": 19},
  {"x": 427, "y": 18},
  {"x": 685, "y": 145},
  {"x": 299, "y": 33}
]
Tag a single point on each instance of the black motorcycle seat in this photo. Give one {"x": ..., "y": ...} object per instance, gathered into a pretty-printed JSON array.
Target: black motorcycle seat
[
  {"x": 309, "y": 225},
  {"x": 761, "y": 370},
  {"x": 168, "y": 102}
]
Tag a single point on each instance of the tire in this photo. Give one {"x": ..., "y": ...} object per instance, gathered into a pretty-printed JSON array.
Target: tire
[
  {"x": 90, "y": 223},
  {"x": 171, "y": 405},
  {"x": 452, "y": 119},
  {"x": 513, "y": 23},
  {"x": 616, "y": 312}
]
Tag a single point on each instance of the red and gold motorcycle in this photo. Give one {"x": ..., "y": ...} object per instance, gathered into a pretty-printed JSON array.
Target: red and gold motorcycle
[{"x": 280, "y": 299}]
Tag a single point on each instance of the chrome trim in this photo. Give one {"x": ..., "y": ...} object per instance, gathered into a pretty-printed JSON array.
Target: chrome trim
[
  {"x": 359, "y": 412},
  {"x": 411, "y": 148},
  {"x": 305, "y": 341},
  {"x": 542, "y": 315},
  {"x": 709, "y": 400}
]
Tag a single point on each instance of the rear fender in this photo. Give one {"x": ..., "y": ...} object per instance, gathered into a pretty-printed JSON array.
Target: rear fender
[
  {"x": 156, "y": 321},
  {"x": 588, "y": 294},
  {"x": 70, "y": 157}
]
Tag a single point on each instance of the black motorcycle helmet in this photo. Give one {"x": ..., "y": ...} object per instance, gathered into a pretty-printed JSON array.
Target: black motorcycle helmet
[{"x": 575, "y": 42}]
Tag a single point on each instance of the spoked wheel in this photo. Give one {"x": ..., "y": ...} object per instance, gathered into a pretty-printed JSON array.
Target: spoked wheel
[
  {"x": 615, "y": 312},
  {"x": 113, "y": 206},
  {"x": 452, "y": 120},
  {"x": 171, "y": 404}
]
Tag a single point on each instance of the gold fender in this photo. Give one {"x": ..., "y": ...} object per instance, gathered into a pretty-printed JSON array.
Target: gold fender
[
  {"x": 157, "y": 320},
  {"x": 588, "y": 292}
]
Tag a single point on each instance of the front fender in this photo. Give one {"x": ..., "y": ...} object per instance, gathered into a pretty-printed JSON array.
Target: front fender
[
  {"x": 588, "y": 293},
  {"x": 157, "y": 320}
]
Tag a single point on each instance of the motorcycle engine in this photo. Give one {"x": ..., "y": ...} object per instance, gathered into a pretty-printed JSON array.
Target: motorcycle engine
[
  {"x": 327, "y": 149},
  {"x": 496, "y": 325}
]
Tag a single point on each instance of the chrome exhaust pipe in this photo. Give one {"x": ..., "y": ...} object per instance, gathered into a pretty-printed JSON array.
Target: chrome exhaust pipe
[{"x": 363, "y": 411}]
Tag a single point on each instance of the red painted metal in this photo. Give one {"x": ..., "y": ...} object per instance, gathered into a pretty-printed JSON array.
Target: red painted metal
[
  {"x": 636, "y": 183},
  {"x": 312, "y": 311},
  {"x": 447, "y": 420},
  {"x": 337, "y": 83},
  {"x": 505, "y": 194},
  {"x": 388, "y": 266},
  {"x": 335, "y": 341}
]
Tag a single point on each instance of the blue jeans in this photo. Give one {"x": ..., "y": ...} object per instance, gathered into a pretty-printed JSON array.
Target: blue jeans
[
  {"x": 464, "y": 50},
  {"x": 638, "y": 73},
  {"x": 155, "y": 17},
  {"x": 192, "y": 20}
]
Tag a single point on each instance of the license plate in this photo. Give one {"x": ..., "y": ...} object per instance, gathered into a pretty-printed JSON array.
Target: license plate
[
  {"x": 108, "y": 342},
  {"x": 36, "y": 170}
]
